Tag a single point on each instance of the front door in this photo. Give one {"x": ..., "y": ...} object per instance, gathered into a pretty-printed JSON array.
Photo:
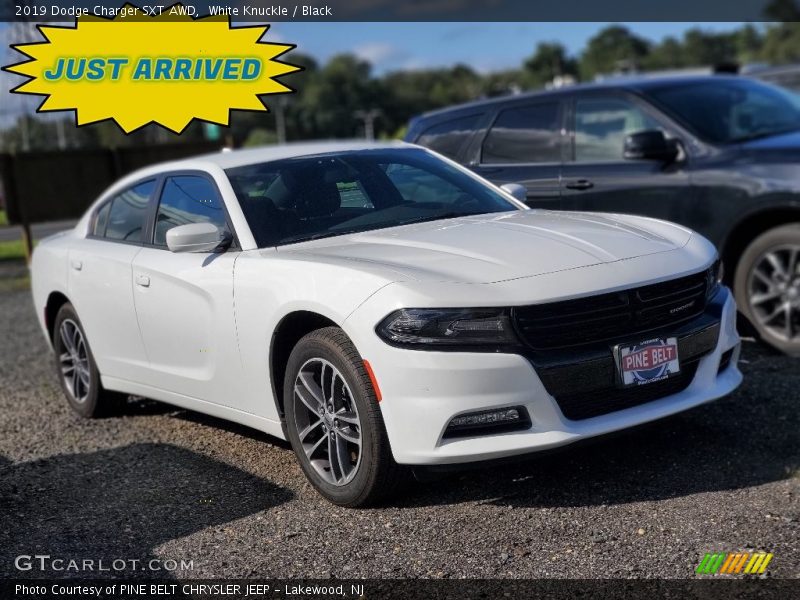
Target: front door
[
  {"x": 598, "y": 177},
  {"x": 184, "y": 301}
]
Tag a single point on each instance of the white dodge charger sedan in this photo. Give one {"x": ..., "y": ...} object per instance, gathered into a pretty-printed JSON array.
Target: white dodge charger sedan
[{"x": 380, "y": 306}]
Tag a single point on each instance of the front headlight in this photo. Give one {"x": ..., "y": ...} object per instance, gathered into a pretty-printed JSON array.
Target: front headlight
[
  {"x": 714, "y": 275},
  {"x": 449, "y": 327}
]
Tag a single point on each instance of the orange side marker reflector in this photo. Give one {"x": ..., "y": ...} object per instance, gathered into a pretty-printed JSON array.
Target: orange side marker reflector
[{"x": 374, "y": 381}]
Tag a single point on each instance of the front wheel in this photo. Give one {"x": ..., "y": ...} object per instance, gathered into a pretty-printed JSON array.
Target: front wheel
[
  {"x": 333, "y": 421},
  {"x": 767, "y": 287}
]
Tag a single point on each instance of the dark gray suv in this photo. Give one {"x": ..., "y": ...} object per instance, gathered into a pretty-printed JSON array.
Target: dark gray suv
[{"x": 719, "y": 154}]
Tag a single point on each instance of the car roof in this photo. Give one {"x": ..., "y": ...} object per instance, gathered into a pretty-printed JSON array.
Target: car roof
[
  {"x": 226, "y": 159},
  {"x": 240, "y": 158},
  {"x": 622, "y": 82}
]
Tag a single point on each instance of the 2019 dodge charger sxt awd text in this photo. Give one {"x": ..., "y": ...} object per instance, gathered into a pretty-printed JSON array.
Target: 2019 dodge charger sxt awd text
[
  {"x": 717, "y": 154},
  {"x": 379, "y": 306}
]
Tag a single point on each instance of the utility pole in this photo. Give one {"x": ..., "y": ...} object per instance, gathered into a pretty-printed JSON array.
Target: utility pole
[{"x": 368, "y": 116}]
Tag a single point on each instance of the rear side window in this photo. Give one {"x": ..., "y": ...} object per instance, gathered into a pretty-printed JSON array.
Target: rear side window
[
  {"x": 128, "y": 212},
  {"x": 525, "y": 134},
  {"x": 187, "y": 199},
  {"x": 448, "y": 137}
]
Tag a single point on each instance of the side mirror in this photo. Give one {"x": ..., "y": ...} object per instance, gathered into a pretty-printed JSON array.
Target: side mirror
[
  {"x": 650, "y": 145},
  {"x": 517, "y": 190},
  {"x": 196, "y": 237}
]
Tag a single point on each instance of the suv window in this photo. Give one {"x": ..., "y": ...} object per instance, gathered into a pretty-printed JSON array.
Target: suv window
[
  {"x": 187, "y": 199},
  {"x": 126, "y": 217},
  {"x": 448, "y": 137},
  {"x": 526, "y": 134},
  {"x": 601, "y": 125}
]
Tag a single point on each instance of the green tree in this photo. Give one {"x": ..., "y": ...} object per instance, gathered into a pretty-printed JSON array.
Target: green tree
[
  {"x": 668, "y": 54},
  {"x": 329, "y": 99},
  {"x": 749, "y": 43},
  {"x": 705, "y": 48},
  {"x": 548, "y": 62},
  {"x": 613, "y": 48},
  {"x": 260, "y": 137}
]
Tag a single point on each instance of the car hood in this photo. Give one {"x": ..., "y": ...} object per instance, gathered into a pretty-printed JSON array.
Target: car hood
[
  {"x": 498, "y": 247},
  {"x": 784, "y": 142}
]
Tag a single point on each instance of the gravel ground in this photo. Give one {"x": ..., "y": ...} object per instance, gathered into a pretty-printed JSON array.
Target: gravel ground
[{"x": 171, "y": 484}]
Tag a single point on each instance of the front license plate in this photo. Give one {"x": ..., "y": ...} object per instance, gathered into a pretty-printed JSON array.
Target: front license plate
[{"x": 647, "y": 362}]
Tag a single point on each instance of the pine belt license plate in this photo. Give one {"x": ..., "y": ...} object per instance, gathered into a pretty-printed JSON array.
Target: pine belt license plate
[{"x": 647, "y": 362}]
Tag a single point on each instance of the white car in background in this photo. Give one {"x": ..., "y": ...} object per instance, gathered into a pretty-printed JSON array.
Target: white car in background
[{"x": 380, "y": 306}]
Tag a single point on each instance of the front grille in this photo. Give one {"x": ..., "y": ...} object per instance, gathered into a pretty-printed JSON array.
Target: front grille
[
  {"x": 585, "y": 406},
  {"x": 615, "y": 315}
]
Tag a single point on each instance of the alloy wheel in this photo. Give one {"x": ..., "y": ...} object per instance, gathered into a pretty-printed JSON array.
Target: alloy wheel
[
  {"x": 773, "y": 292},
  {"x": 327, "y": 421},
  {"x": 74, "y": 360}
]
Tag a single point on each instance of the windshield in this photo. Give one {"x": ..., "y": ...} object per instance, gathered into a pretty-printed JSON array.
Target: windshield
[
  {"x": 730, "y": 111},
  {"x": 308, "y": 198}
]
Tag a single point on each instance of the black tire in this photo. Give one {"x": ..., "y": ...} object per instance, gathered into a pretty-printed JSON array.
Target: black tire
[
  {"x": 91, "y": 401},
  {"x": 779, "y": 240},
  {"x": 376, "y": 473}
]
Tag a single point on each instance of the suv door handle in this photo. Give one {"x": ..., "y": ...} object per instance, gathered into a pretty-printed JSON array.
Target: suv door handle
[
  {"x": 77, "y": 265},
  {"x": 143, "y": 280},
  {"x": 579, "y": 184}
]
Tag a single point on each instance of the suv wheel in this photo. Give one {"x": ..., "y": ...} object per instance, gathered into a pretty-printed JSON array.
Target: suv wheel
[
  {"x": 77, "y": 369},
  {"x": 333, "y": 421},
  {"x": 767, "y": 287}
]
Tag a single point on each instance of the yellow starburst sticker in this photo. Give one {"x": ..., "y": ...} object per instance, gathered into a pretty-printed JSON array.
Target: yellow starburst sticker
[{"x": 167, "y": 69}]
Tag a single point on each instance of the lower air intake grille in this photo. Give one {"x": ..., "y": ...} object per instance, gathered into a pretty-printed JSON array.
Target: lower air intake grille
[{"x": 599, "y": 402}]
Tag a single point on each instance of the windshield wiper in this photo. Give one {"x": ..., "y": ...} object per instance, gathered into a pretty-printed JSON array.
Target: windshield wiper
[
  {"x": 436, "y": 217},
  {"x": 316, "y": 236}
]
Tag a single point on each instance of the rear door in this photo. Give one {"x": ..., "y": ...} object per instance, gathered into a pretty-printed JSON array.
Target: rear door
[
  {"x": 450, "y": 135},
  {"x": 525, "y": 144},
  {"x": 596, "y": 176},
  {"x": 100, "y": 276},
  {"x": 184, "y": 301}
]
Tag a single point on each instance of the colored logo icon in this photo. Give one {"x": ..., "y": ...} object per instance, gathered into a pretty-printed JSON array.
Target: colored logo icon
[{"x": 734, "y": 563}]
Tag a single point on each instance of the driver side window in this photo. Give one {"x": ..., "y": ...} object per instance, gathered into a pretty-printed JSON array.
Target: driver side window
[
  {"x": 601, "y": 125},
  {"x": 127, "y": 215},
  {"x": 187, "y": 199}
]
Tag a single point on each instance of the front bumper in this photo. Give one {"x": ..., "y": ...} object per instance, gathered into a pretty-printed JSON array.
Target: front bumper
[{"x": 422, "y": 391}]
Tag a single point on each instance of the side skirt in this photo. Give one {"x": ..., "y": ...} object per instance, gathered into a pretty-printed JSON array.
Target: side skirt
[{"x": 268, "y": 426}]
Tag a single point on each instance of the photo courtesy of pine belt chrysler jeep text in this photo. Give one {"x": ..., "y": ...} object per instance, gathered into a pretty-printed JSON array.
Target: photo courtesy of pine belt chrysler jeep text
[{"x": 380, "y": 306}]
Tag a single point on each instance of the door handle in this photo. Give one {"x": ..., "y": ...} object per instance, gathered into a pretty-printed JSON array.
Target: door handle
[
  {"x": 143, "y": 280},
  {"x": 77, "y": 265},
  {"x": 579, "y": 184}
]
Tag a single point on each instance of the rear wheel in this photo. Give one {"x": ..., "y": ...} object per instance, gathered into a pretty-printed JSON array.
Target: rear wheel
[
  {"x": 767, "y": 287},
  {"x": 77, "y": 370},
  {"x": 334, "y": 423}
]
